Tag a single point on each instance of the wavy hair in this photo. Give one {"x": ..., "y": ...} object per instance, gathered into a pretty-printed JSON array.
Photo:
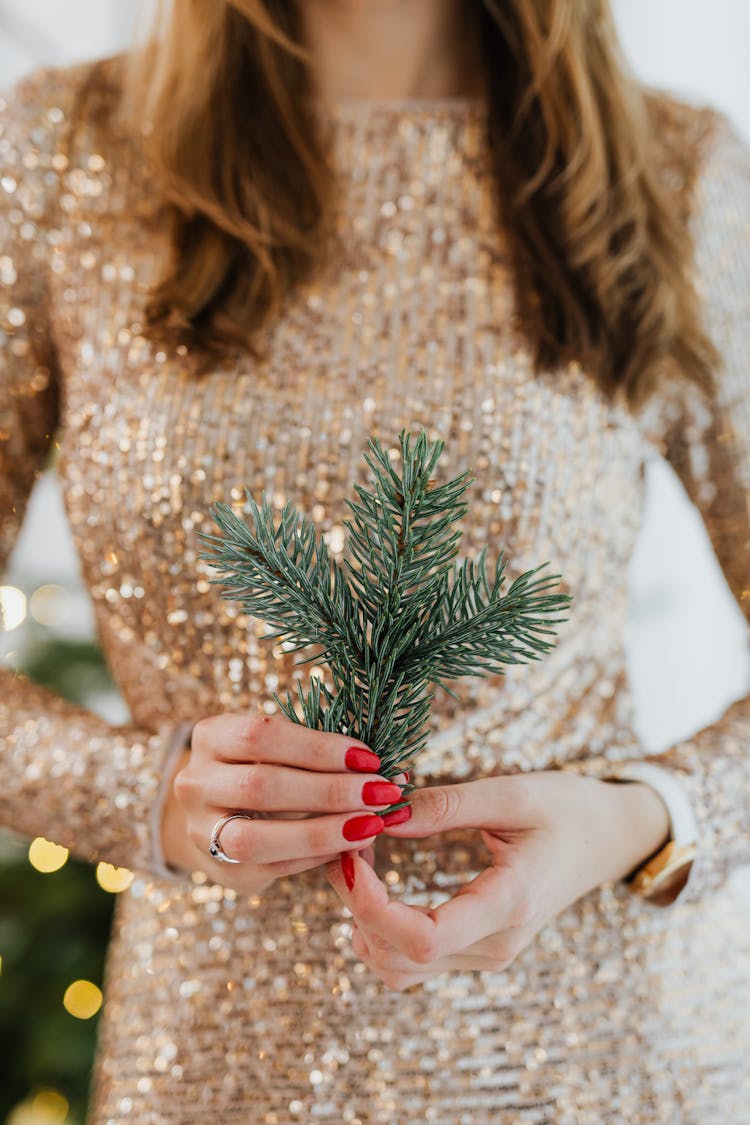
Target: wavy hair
[{"x": 599, "y": 237}]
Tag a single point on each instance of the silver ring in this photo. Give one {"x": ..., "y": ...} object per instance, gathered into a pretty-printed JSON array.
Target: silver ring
[{"x": 214, "y": 847}]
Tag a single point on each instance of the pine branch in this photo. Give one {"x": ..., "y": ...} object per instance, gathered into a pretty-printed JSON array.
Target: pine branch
[
  {"x": 398, "y": 618},
  {"x": 479, "y": 629},
  {"x": 286, "y": 574}
]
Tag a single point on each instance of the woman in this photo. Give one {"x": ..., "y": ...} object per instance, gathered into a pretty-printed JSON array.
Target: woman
[{"x": 232, "y": 257}]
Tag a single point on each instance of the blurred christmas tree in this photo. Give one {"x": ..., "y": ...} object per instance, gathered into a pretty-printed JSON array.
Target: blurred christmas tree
[{"x": 54, "y": 929}]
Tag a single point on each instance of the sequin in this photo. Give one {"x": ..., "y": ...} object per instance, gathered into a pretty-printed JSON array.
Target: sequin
[{"x": 225, "y": 1008}]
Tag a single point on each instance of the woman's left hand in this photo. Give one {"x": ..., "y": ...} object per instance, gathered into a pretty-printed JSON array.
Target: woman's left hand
[{"x": 553, "y": 836}]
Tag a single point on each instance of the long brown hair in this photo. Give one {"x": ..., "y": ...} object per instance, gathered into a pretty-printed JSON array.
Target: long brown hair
[{"x": 598, "y": 233}]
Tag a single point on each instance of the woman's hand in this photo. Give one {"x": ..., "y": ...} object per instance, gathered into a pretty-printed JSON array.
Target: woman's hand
[
  {"x": 553, "y": 836},
  {"x": 271, "y": 765}
]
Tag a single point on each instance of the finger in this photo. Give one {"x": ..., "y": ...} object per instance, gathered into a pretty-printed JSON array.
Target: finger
[
  {"x": 485, "y": 906},
  {"x": 381, "y": 957},
  {"x": 235, "y": 876},
  {"x": 295, "y": 866},
  {"x": 273, "y": 738},
  {"x": 269, "y": 841},
  {"x": 274, "y": 788},
  {"x": 488, "y": 953},
  {"x": 503, "y": 802}
]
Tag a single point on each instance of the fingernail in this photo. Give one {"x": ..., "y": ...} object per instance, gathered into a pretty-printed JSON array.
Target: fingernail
[
  {"x": 363, "y": 760},
  {"x": 347, "y": 868},
  {"x": 406, "y": 775},
  {"x": 397, "y": 817},
  {"x": 360, "y": 827},
  {"x": 380, "y": 792}
]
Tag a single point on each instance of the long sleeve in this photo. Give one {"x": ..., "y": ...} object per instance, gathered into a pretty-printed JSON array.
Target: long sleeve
[
  {"x": 65, "y": 773},
  {"x": 706, "y": 439}
]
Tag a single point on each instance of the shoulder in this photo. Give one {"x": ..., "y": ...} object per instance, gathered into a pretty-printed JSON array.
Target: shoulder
[
  {"x": 44, "y": 112},
  {"x": 65, "y": 88},
  {"x": 693, "y": 146},
  {"x": 60, "y": 129}
]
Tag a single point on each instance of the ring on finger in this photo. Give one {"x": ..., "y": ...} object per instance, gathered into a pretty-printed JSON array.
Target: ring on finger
[{"x": 214, "y": 846}]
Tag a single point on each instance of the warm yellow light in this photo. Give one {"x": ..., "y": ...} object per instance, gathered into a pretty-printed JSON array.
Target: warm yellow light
[
  {"x": 50, "y": 604},
  {"x": 12, "y": 607},
  {"x": 82, "y": 999},
  {"x": 50, "y": 1105},
  {"x": 113, "y": 879},
  {"x": 46, "y": 1108},
  {"x": 46, "y": 856}
]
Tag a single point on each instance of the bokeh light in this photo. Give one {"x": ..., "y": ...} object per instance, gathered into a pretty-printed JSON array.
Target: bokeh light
[
  {"x": 46, "y": 856},
  {"x": 82, "y": 999},
  {"x": 12, "y": 607},
  {"x": 114, "y": 879},
  {"x": 50, "y": 604},
  {"x": 45, "y": 1108}
]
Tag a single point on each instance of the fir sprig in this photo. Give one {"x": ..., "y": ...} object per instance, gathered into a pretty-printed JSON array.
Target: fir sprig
[{"x": 403, "y": 616}]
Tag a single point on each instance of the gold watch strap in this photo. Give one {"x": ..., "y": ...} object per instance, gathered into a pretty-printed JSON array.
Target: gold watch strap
[{"x": 663, "y": 876}]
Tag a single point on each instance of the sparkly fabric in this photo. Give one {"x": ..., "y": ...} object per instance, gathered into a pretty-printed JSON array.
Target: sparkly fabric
[{"x": 227, "y": 1009}]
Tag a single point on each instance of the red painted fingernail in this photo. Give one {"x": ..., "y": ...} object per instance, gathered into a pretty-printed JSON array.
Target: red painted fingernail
[
  {"x": 363, "y": 760},
  {"x": 406, "y": 775},
  {"x": 347, "y": 868},
  {"x": 380, "y": 792},
  {"x": 360, "y": 827},
  {"x": 397, "y": 817}
]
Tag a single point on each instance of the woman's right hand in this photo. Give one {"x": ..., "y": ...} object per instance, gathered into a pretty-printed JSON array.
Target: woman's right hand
[{"x": 268, "y": 764}]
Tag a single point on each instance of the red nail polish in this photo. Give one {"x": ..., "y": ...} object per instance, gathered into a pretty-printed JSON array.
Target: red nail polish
[
  {"x": 363, "y": 760},
  {"x": 360, "y": 827},
  {"x": 347, "y": 868},
  {"x": 380, "y": 792},
  {"x": 406, "y": 775},
  {"x": 397, "y": 817}
]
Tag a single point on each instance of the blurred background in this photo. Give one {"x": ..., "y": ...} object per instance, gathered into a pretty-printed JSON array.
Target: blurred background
[{"x": 687, "y": 641}]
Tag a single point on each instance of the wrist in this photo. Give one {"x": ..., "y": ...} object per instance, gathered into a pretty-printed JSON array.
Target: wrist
[{"x": 640, "y": 823}]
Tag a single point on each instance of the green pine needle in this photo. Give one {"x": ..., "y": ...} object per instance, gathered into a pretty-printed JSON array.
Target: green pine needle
[{"x": 403, "y": 616}]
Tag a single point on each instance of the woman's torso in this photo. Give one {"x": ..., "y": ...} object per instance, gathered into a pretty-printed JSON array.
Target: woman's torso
[{"x": 227, "y": 1009}]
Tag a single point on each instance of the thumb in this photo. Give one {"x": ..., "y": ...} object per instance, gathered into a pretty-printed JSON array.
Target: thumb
[{"x": 490, "y": 802}]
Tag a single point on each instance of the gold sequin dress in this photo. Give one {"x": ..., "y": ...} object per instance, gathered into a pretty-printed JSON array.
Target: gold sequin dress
[{"x": 221, "y": 1008}]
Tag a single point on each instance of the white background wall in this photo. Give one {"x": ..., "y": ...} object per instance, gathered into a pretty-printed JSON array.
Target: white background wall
[{"x": 687, "y": 642}]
